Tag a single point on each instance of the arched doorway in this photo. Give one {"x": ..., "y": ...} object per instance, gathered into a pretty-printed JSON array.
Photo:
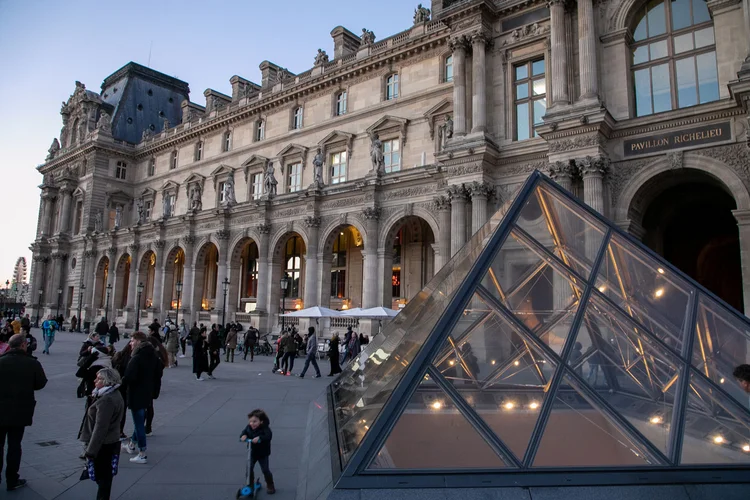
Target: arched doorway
[
  {"x": 174, "y": 269},
  {"x": 342, "y": 270},
  {"x": 409, "y": 260},
  {"x": 687, "y": 218},
  {"x": 100, "y": 283},
  {"x": 122, "y": 281},
  {"x": 206, "y": 272},
  {"x": 146, "y": 275},
  {"x": 289, "y": 257},
  {"x": 244, "y": 274}
]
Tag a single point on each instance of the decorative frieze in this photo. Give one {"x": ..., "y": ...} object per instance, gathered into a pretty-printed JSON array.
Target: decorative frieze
[
  {"x": 264, "y": 228},
  {"x": 371, "y": 213},
  {"x": 577, "y": 142},
  {"x": 459, "y": 170},
  {"x": 160, "y": 244},
  {"x": 222, "y": 234},
  {"x": 736, "y": 156},
  {"x": 410, "y": 192},
  {"x": 442, "y": 203},
  {"x": 343, "y": 202},
  {"x": 312, "y": 221}
]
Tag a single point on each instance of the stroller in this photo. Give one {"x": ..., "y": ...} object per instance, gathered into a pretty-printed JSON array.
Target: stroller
[{"x": 252, "y": 485}]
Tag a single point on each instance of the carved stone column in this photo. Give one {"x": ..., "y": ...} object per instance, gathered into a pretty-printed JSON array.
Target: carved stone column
[
  {"x": 459, "y": 195},
  {"x": 158, "y": 301},
  {"x": 223, "y": 236},
  {"x": 311, "y": 262},
  {"x": 743, "y": 223},
  {"x": 63, "y": 225},
  {"x": 47, "y": 213},
  {"x": 133, "y": 279},
  {"x": 370, "y": 292},
  {"x": 89, "y": 270},
  {"x": 261, "y": 303},
  {"x": 459, "y": 46},
  {"x": 59, "y": 260},
  {"x": 593, "y": 171},
  {"x": 443, "y": 204},
  {"x": 562, "y": 173},
  {"x": 479, "y": 83},
  {"x": 559, "y": 53},
  {"x": 587, "y": 61},
  {"x": 480, "y": 193},
  {"x": 385, "y": 270}
]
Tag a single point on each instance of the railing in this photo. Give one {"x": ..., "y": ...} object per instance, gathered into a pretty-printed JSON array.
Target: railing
[
  {"x": 345, "y": 60},
  {"x": 380, "y": 46},
  {"x": 243, "y": 317},
  {"x": 343, "y": 322},
  {"x": 334, "y": 63},
  {"x": 204, "y": 316},
  {"x": 403, "y": 37},
  {"x": 434, "y": 26},
  {"x": 289, "y": 321}
]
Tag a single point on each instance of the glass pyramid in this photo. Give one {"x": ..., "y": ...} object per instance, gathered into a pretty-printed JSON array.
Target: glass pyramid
[{"x": 550, "y": 343}]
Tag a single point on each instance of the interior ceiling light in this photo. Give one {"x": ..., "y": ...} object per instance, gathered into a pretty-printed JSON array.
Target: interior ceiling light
[
  {"x": 718, "y": 439},
  {"x": 509, "y": 405},
  {"x": 437, "y": 405},
  {"x": 659, "y": 292},
  {"x": 534, "y": 405},
  {"x": 746, "y": 448},
  {"x": 660, "y": 270},
  {"x": 602, "y": 288},
  {"x": 516, "y": 363},
  {"x": 656, "y": 419},
  {"x": 493, "y": 361},
  {"x": 451, "y": 362},
  {"x": 721, "y": 380}
]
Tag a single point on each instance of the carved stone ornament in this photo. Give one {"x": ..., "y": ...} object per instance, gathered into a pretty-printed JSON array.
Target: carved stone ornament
[
  {"x": 442, "y": 203},
  {"x": 88, "y": 254},
  {"x": 190, "y": 239},
  {"x": 222, "y": 234},
  {"x": 736, "y": 156},
  {"x": 458, "y": 43},
  {"x": 160, "y": 243},
  {"x": 480, "y": 189},
  {"x": 592, "y": 166},
  {"x": 367, "y": 38},
  {"x": 321, "y": 58},
  {"x": 60, "y": 256},
  {"x": 269, "y": 181},
  {"x": 371, "y": 213},
  {"x": 421, "y": 14},
  {"x": 376, "y": 155},
  {"x": 312, "y": 221},
  {"x": 577, "y": 142},
  {"x": 112, "y": 251},
  {"x": 53, "y": 149},
  {"x": 676, "y": 159},
  {"x": 458, "y": 192},
  {"x": 562, "y": 169},
  {"x": 105, "y": 122},
  {"x": 264, "y": 228},
  {"x": 98, "y": 222},
  {"x": 530, "y": 30},
  {"x": 134, "y": 247}
]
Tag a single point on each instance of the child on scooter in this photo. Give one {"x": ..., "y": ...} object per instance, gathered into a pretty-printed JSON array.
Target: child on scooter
[{"x": 259, "y": 434}]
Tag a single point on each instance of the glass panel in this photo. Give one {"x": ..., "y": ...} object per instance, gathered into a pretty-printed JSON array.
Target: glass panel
[
  {"x": 647, "y": 292},
  {"x": 540, "y": 108},
  {"x": 661, "y": 89},
  {"x": 680, "y": 14},
  {"x": 537, "y": 68},
  {"x": 700, "y": 12},
  {"x": 367, "y": 382},
  {"x": 641, "y": 28},
  {"x": 522, "y": 121},
  {"x": 687, "y": 93},
  {"x": 704, "y": 37},
  {"x": 502, "y": 376},
  {"x": 640, "y": 54},
  {"x": 657, "y": 21},
  {"x": 522, "y": 72},
  {"x": 722, "y": 343},
  {"x": 659, "y": 50},
  {"x": 708, "y": 81},
  {"x": 636, "y": 375},
  {"x": 579, "y": 435},
  {"x": 716, "y": 432},
  {"x": 683, "y": 43},
  {"x": 540, "y": 87},
  {"x": 522, "y": 91},
  {"x": 643, "y": 92},
  {"x": 433, "y": 434}
]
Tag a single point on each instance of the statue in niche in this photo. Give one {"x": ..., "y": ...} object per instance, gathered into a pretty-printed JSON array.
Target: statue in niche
[
  {"x": 269, "y": 181},
  {"x": 321, "y": 58},
  {"x": 196, "y": 202},
  {"x": 376, "y": 155},
  {"x": 105, "y": 121},
  {"x": 83, "y": 130},
  {"x": 98, "y": 222},
  {"x": 421, "y": 14},
  {"x": 318, "y": 162},
  {"x": 118, "y": 216},
  {"x": 141, "y": 211},
  {"x": 448, "y": 127},
  {"x": 166, "y": 206},
  {"x": 53, "y": 149},
  {"x": 367, "y": 38},
  {"x": 229, "y": 198}
]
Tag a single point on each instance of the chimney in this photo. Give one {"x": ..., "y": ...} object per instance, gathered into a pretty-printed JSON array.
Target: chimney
[
  {"x": 243, "y": 88},
  {"x": 344, "y": 42},
  {"x": 268, "y": 72}
]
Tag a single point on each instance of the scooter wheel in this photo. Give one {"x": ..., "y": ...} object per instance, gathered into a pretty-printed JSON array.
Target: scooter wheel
[{"x": 244, "y": 493}]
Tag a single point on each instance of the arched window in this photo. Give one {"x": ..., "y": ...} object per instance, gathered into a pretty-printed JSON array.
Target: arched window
[
  {"x": 293, "y": 265},
  {"x": 391, "y": 87},
  {"x": 297, "y": 118},
  {"x": 674, "y": 56}
]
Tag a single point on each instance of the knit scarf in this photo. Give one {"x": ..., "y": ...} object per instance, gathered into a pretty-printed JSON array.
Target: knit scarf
[{"x": 97, "y": 393}]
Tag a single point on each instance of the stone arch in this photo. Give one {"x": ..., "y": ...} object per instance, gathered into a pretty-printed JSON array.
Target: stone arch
[
  {"x": 352, "y": 264},
  {"x": 283, "y": 233},
  {"x": 147, "y": 276},
  {"x": 174, "y": 272},
  {"x": 332, "y": 227},
  {"x": 622, "y": 14},
  {"x": 236, "y": 270},
  {"x": 387, "y": 226},
  {"x": 122, "y": 282},
  {"x": 205, "y": 275},
  {"x": 277, "y": 269},
  {"x": 101, "y": 278}
]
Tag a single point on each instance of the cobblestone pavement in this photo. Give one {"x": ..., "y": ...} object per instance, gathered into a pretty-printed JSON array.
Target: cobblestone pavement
[{"x": 194, "y": 452}]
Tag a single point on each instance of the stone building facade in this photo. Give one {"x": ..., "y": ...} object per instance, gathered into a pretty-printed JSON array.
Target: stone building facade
[{"x": 359, "y": 178}]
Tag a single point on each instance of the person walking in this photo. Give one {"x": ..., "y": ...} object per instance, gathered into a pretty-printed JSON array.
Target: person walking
[
  {"x": 251, "y": 338},
  {"x": 114, "y": 334},
  {"x": 231, "y": 344},
  {"x": 183, "y": 336},
  {"x": 279, "y": 352},
  {"x": 49, "y": 328},
  {"x": 73, "y": 323},
  {"x": 311, "y": 351},
  {"x": 26, "y": 322},
  {"x": 172, "y": 341},
  {"x": 140, "y": 377},
  {"x": 200, "y": 360},
  {"x": 290, "y": 352},
  {"x": 101, "y": 431},
  {"x": 214, "y": 350},
  {"x": 333, "y": 355},
  {"x": 347, "y": 338},
  {"x": 102, "y": 328},
  {"x": 21, "y": 376}
]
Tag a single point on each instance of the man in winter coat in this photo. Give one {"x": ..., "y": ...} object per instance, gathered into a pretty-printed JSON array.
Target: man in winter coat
[
  {"x": 102, "y": 328},
  {"x": 214, "y": 350},
  {"x": 231, "y": 344},
  {"x": 312, "y": 348},
  {"x": 289, "y": 345},
  {"x": 22, "y": 375},
  {"x": 251, "y": 338},
  {"x": 114, "y": 333}
]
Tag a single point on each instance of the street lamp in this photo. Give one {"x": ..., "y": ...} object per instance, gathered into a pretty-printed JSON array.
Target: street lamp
[
  {"x": 39, "y": 309},
  {"x": 225, "y": 284},
  {"x": 106, "y": 305},
  {"x": 59, "y": 296},
  {"x": 284, "y": 285},
  {"x": 178, "y": 287},
  {"x": 80, "y": 303},
  {"x": 139, "y": 289}
]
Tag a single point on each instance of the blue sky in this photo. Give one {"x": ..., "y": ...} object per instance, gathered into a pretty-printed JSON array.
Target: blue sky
[{"x": 45, "y": 46}]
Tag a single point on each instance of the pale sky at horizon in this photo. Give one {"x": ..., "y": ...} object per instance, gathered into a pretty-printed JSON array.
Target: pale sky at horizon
[{"x": 45, "y": 46}]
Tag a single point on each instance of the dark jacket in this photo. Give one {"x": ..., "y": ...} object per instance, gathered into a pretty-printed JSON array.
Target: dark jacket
[
  {"x": 289, "y": 344},
  {"x": 251, "y": 336},
  {"x": 214, "y": 341},
  {"x": 195, "y": 334},
  {"x": 102, "y": 422},
  {"x": 114, "y": 333},
  {"x": 102, "y": 328},
  {"x": 161, "y": 353},
  {"x": 142, "y": 375},
  {"x": 25, "y": 323},
  {"x": 261, "y": 449},
  {"x": 200, "y": 361},
  {"x": 21, "y": 376}
]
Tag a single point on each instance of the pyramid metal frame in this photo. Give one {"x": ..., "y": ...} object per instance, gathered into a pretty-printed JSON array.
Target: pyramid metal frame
[{"x": 355, "y": 475}]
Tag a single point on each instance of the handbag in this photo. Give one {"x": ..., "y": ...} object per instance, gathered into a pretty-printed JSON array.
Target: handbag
[{"x": 81, "y": 390}]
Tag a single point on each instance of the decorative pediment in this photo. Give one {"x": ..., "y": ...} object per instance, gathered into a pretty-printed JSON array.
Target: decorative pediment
[
  {"x": 337, "y": 138},
  {"x": 194, "y": 180},
  {"x": 79, "y": 193},
  {"x": 117, "y": 197},
  {"x": 390, "y": 124},
  {"x": 294, "y": 151},
  {"x": 255, "y": 162},
  {"x": 438, "y": 112},
  {"x": 220, "y": 173},
  {"x": 170, "y": 186},
  {"x": 148, "y": 193}
]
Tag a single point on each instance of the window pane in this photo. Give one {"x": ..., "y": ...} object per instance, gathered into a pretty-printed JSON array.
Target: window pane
[
  {"x": 700, "y": 12},
  {"x": 522, "y": 72},
  {"x": 704, "y": 37},
  {"x": 540, "y": 87},
  {"x": 395, "y": 159},
  {"x": 387, "y": 146},
  {"x": 683, "y": 43},
  {"x": 643, "y": 92},
  {"x": 522, "y": 121},
  {"x": 343, "y": 156},
  {"x": 662, "y": 92},
  {"x": 686, "y": 86},
  {"x": 641, "y": 31},
  {"x": 657, "y": 22},
  {"x": 537, "y": 68},
  {"x": 395, "y": 145},
  {"x": 640, "y": 54},
  {"x": 708, "y": 82},
  {"x": 680, "y": 14},
  {"x": 522, "y": 91},
  {"x": 659, "y": 50},
  {"x": 540, "y": 107}
]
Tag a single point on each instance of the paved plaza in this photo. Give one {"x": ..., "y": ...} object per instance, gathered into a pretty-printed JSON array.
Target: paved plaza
[{"x": 195, "y": 451}]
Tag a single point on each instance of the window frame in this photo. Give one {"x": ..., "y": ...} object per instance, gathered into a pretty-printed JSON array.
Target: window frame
[
  {"x": 151, "y": 169},
  {"x": 199, "y": 150},
  {"x": 226, "y": 141},
  {"x": 259, "y": 133},
  {"x": 298, "y": 117},
  {"x": 340, "y": 178},
  {"x": 121, "y": 170},
  {"x": 445, "y": 78},
  {"x": 389, "y": 154},
  {"x": 392, "y": 86},
  {"x": 256, "y": 185},
  {"x": 288, "y": 177},
  {"x": 174, "y": 160},
  {"x": 340, "y": 105},
  {"x": 530, "y": 99}
]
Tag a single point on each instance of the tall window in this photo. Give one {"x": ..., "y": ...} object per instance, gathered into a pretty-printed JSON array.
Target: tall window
[
  {"x": 121, "y": 170},
  {"x": 221, "y": 187},
  {"x": 674, "y": 56},
  {"x": 392, "y": 155},
  {"x": 293, "y": 177},
  {"x": 250, "y": 274},
  {"x": 226, "y": 143},
  {"x": 449, "y": 69},
  {"x": 293, "y": 265},
  {"x": 297, "y": 118},
  {"x": 151, "y": 167},
  {"x": 530, "y": 96},
  {"x": 338, "y": 267},
  {"x": 260, "y": 130},
  {"x": 391, "y": 87},
  {"x": 338, "y": 167},
  {"x": 171, "y": 202},
  {"x": 147, "y": 209},
  {"x": 199, "y": 151},
  {"x": 79, "y": 217},
  {"x": 341, "y": 103},
  {"x": 175, "y": 156},
  {"x": 256, "y": 186}
]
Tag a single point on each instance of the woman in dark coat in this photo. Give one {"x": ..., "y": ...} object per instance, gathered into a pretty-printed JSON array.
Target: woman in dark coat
[
  {"x": 333, "y": 355},
  {"x": 200, "y": 352},
  {"x": 114, "y": 334}
]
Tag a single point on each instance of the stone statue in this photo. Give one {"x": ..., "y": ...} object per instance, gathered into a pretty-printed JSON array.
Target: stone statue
[
  {"x": 141, "y": 211},
  {"x": 53, "y": 149},
  {"x": 196, "y": 202},
  {"x": 98, "y": 222},
  {"x": 166, "y": 206},
  {"x": 146, "y": 134},
  {"x": 229, "y": 198},
  {"x": 321, "y": 58},
  {"x": 318, "y": 162},
  {"x": 118, "y": 216},
  {"x": 421, "y": 14},
  {"x": 367, "y": 38},
  {"x": 448, "y": 127},
  {"x": 281, "y": 75},
  {"x": 105, "y": 122},
  {"x": 376, "y": 155},
  {"x": 165, "y": 125},
  {"x": 269, "y": 181}
]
